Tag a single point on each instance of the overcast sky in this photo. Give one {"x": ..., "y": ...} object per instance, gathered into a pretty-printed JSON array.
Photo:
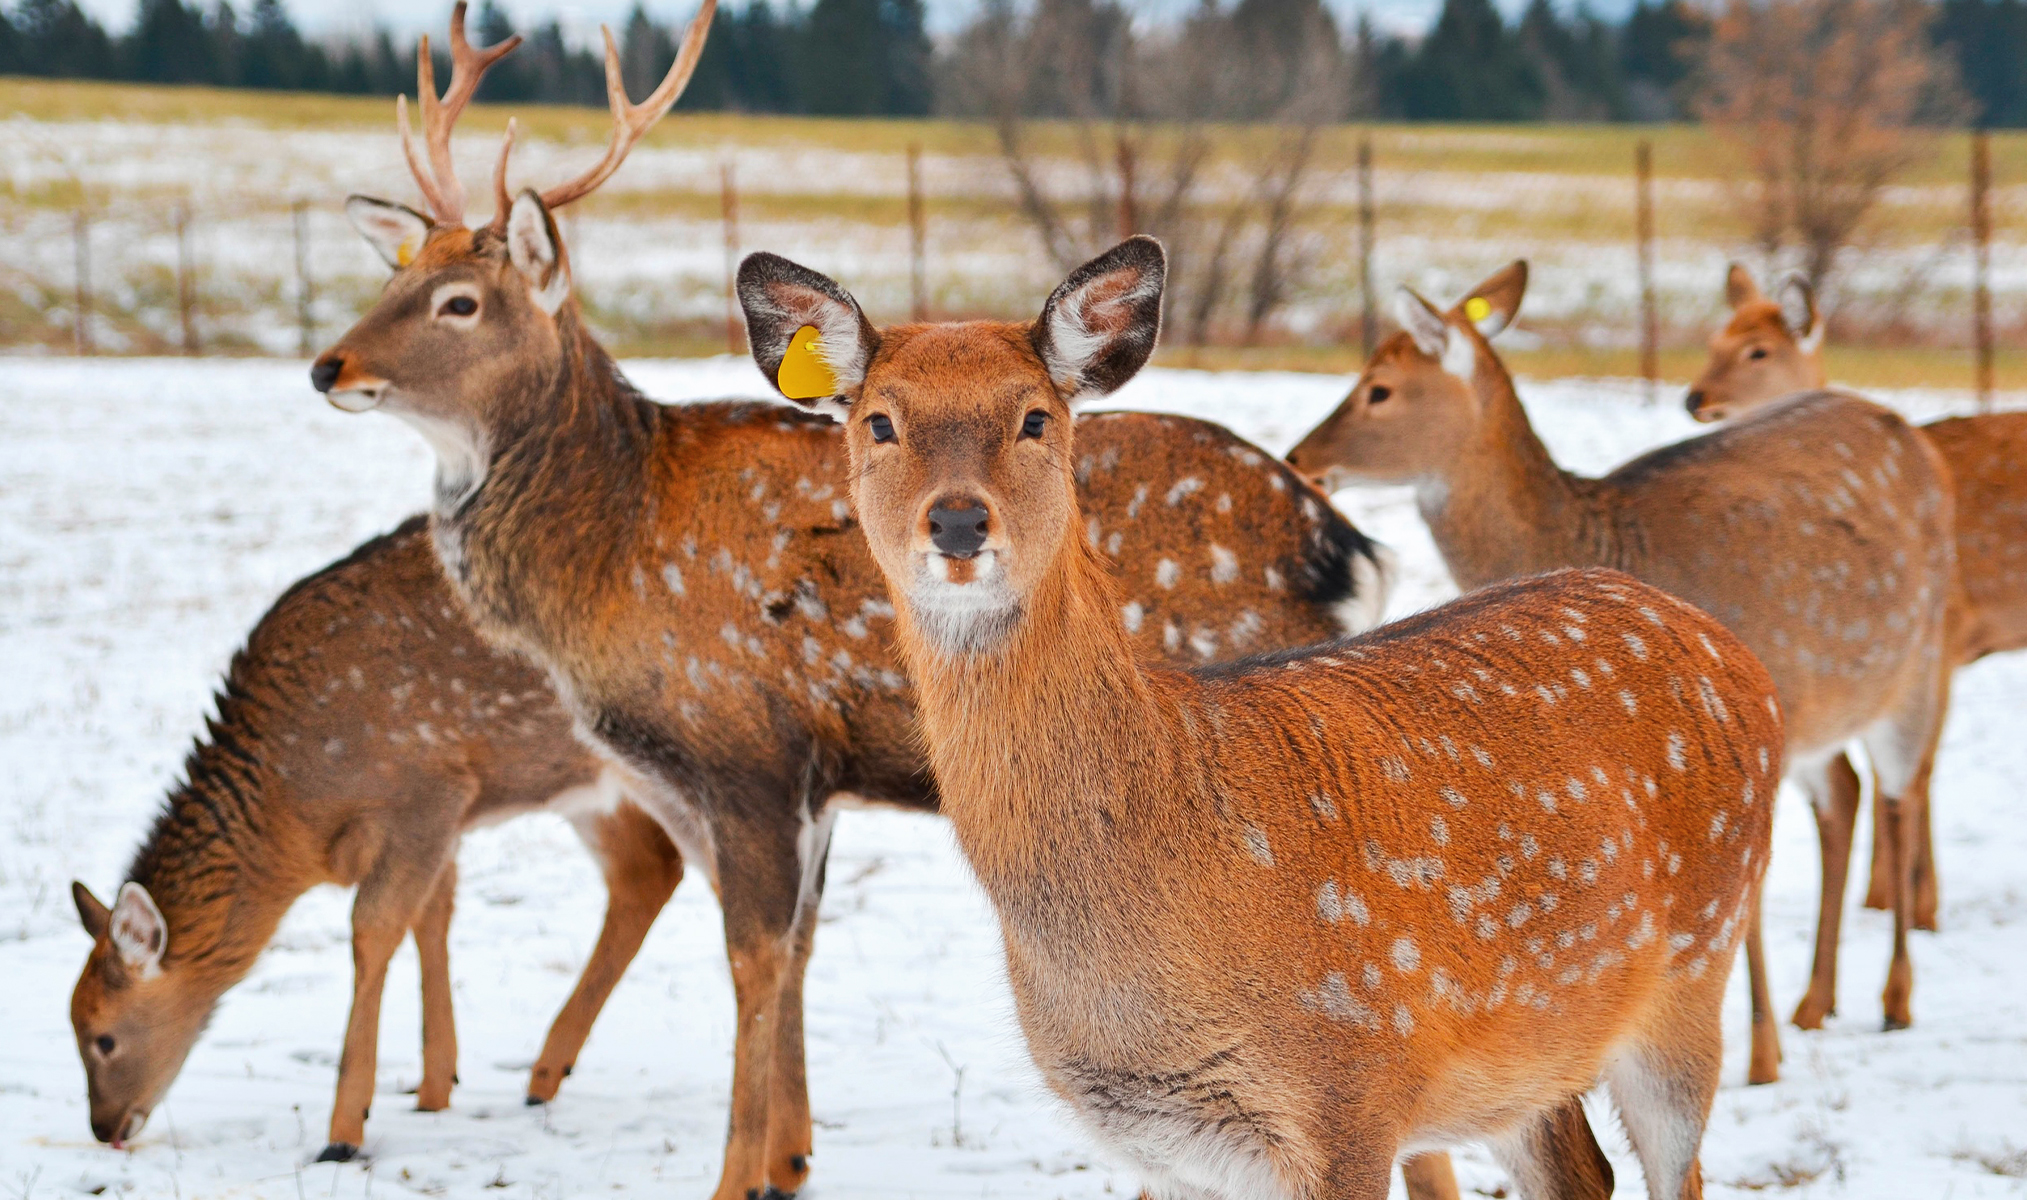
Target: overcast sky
[{"x": 581, "y": 18}]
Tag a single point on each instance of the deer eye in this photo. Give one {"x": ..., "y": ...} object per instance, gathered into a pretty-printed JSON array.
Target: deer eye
[
  {"x": 458, "y": 306},
  {"x": 1756, "y": 352},
  {"x": 105, "y": 1043},
  {"x": 1034, "y": 424},
  {"x": 1379, "y": 394},
  {"x": 883, "y": 429}
]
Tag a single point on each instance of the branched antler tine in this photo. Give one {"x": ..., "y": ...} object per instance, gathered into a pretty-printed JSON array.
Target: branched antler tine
[
  {"x": 423, "y": 179},
  {"x": 630, "y": 121},
  {"x": 501, "y": 201},
  {"x": 446, "y": 195}
]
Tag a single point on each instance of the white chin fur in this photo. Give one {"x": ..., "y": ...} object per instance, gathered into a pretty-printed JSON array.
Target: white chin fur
[
  {"x": 357, "y": 400},
  {"x": 461, "y": 455},
  {"x": 963, "y": 618}
]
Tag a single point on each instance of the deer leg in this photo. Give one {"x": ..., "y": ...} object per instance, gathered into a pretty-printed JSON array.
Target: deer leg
[
  {"x": 1555, "y": 1155},
  {"x": 1764, "y": 1065},
  {"x": 1430, "y": 1177},
  {"x": 1922, "y": 871},
  {"x": 1664, "y": 1085},
  {"x": 1903, "y": 750},
  {"x": 789, "y": 1131},
  {"x": 1879, "y": 878},
  {"x": 642, "y": 868},
  {"x": 1833, "y": 792},
  {"x": 439, "y": 1024},
  {"x": 759, "y": 876},
  {"x": 382, "y": 913}
]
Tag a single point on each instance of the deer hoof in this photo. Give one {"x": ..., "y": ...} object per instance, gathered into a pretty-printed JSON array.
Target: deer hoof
[
  {"x": 533, "y": 1101},
  {"x": 338, "y": 1152},
  {"x": 1895, "y": 1024}
]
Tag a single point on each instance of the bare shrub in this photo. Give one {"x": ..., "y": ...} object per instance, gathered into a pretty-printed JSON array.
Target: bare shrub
[{"x": 1827, "y": 101}]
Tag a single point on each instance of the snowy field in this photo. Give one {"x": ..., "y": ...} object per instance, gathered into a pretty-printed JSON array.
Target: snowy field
[{"x": 150, "y": 510}]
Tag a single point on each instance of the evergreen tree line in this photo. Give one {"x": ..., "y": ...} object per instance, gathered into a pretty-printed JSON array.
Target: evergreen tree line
[{"x": 868, "y": 57}]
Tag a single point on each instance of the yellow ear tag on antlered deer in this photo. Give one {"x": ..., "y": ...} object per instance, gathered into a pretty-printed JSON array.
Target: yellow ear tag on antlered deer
[
  {"x": 804, "y": 375},
  {"x": 1477, "y": 308},
  {"x": 405, "y": 252}
]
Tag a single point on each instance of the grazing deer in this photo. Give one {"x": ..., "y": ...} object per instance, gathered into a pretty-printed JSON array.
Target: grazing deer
[
  {"x": 1271, "y": 923},
  {"x": 692, "y": 577},
  {"x": 1772, "y": 349},
  {"x": 360, "y": 732},
  {"x": 1819, "y": 533}
]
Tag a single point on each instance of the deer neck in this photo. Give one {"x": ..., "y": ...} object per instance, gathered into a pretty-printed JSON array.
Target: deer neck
[
  {"x": 1049, "y": 749},
  {"x": 1501, "y": 507},
  {"x": 559, "y": 500},
  {"x": 225, "y": 859}
]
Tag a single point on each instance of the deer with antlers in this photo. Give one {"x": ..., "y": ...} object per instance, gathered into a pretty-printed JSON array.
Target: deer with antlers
[
  {"x": 1271, "y": 923},
  {"x": 363, "y": 728},
  {"x": 1819, "y": 534},
  {"x": 1772, "y": 348},
  {"x": 693, "y": 580}
]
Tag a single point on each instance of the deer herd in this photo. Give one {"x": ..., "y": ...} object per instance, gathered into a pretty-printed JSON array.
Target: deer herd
[{"x": 1285, "y": 899}]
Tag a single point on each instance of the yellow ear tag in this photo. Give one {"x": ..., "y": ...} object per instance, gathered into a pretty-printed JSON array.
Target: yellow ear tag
[
  {"x": 1477, "y": 308},
  {"x": 405, "y": 252},
  {"x": 804, "y": 375}
]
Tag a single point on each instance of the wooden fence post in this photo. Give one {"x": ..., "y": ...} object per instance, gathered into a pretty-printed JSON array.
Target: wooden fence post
[
  {"x": 306, "y": 328},
  {"x": 728, "y": 199},
  {"x": 918, "y": 237},
  {"x": 1368, "y": 322},
  {"x": 80, "y": 236},
  {"x": 1981, "y": 264},
  {"x": 186, "y": 282},
  {"x": 1650, "y": 325}
]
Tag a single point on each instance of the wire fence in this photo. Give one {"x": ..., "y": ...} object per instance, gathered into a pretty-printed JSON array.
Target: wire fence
[{"x": 1619, "y": 260}]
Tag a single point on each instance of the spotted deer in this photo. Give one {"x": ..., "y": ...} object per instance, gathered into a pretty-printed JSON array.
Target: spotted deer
[
  {"x": 1817, "y": 533},
  {"x": 693, "y": 581},
  {"x": 1771, "y": 349},
  {"x": 362, "y": 729},
  {"x": 1270, "y": 924}
]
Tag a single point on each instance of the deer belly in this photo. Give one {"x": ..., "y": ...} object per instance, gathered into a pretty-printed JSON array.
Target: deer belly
[{"x": 1187, "y": 1130}]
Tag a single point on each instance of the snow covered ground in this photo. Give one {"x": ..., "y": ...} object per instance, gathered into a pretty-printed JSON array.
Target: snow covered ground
[{"x": 150, "y": 510}]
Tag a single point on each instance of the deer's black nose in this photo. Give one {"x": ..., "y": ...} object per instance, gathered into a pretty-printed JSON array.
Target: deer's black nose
[
  {"x": 1694, "y": 402},
  {"x": 957, "y": 527},
  {"x": 324, "y": 372}
]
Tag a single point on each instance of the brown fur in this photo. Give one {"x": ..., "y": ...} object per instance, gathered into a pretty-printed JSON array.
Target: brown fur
[
  {"x": 1817, "y": 532},
  {"x": 694, "y": 579},
  {"x": 1757, "y": 359},
  {"x": 361, "y": 730},
  {"x": 1270, "y": 923}
]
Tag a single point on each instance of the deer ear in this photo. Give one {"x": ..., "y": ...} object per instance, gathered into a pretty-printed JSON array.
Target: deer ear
[
  {"x": 1798, "y": 312},
  {"x": 1491, "y": 305},
  {"x": 1099, "y": 326},
  {"x": 91, "y": 911},
  {"x": 137, "y": 930},
  {"x": 395, "y": 230},
  {"x": 536, "y": 250},
  {"x": 1428, "y": 328},
  {"x": 1739, "y": 287},
  {"x": 808, "y": 336}
]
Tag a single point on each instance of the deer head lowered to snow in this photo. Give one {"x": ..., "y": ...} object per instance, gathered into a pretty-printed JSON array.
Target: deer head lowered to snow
[
  {"x": 1271, "y": 923},
  {"x": 363, "y": 728},
  {"x": 692, "y": 579}
]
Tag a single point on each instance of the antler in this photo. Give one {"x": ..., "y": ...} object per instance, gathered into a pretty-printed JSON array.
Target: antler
[
  {"x": 439, "y": 182},
  {"x": 630, "y": 121}
]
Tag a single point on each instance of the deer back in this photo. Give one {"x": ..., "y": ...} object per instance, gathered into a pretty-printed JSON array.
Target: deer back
[{"x": 1987, "y": 457}]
